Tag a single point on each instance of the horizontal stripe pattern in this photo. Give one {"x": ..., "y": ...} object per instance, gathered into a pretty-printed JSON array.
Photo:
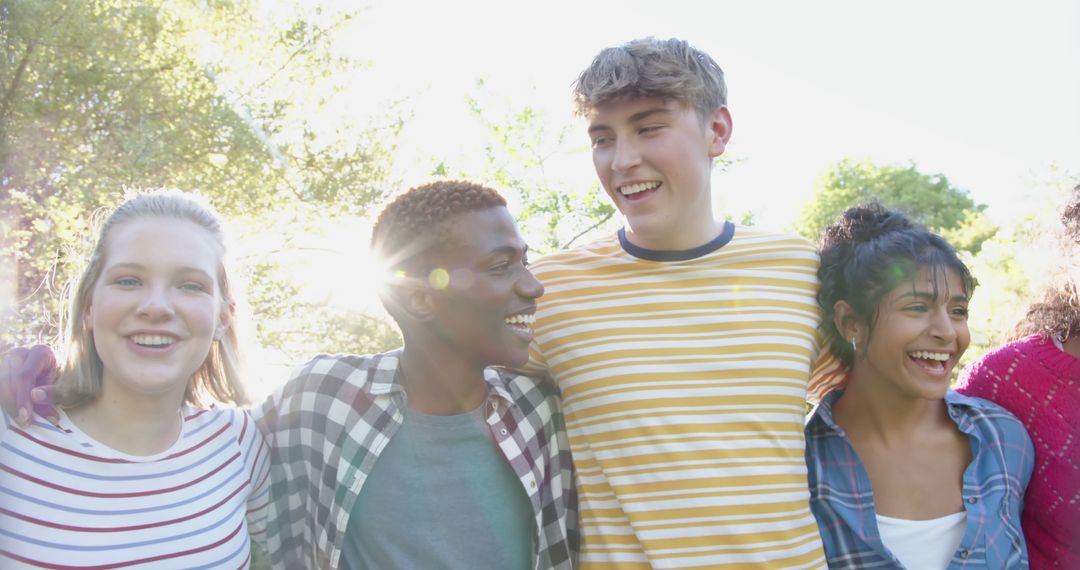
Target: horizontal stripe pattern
[
  {"x": 67, "y": 501},
  {"x": 684, "y": 388}
]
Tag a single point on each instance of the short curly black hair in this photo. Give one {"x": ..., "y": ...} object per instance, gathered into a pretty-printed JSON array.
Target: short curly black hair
[
  {"x": 867, "y": 253},
  {"x": 418, "y": 219}
]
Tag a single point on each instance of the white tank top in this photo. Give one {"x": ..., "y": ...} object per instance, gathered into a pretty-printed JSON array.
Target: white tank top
[{"x": 920, "y": 545}]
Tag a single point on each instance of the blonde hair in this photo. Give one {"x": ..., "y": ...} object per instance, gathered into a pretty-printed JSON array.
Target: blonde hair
[
  {"x": 649, "y": 67},
  {"x": 218, "y": 379}
]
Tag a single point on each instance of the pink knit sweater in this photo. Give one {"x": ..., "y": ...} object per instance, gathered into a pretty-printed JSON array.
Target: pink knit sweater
[{"x": 1040, "y": 384}]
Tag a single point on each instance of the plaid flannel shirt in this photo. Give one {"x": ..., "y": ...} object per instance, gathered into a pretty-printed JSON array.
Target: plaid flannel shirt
[
  {"x": 329, "y": 423},
  {"x": 993, "y": 489}
]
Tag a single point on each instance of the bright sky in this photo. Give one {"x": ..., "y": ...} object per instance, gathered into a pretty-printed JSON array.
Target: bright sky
[{"x": 985, "y": 92}]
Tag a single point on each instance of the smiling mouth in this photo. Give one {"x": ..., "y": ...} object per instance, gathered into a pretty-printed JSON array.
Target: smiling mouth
[
  {"x": 521, "y": 321},
  {"x": 932, "y": 361},
  {"x": 631, "y": 189},
  {"x": 152, "y": 340}
]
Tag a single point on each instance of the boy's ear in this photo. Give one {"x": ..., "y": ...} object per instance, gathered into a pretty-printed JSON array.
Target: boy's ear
[
  {"x": 846, "y": 321},
  {"x": 419, "y": 301},
  {"x": 719, "y": 127}
]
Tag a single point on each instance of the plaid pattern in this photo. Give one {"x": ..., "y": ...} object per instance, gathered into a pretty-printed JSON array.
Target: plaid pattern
[
  {"x": 993, "y": 491},
  {"x": 329, "y": 423}
]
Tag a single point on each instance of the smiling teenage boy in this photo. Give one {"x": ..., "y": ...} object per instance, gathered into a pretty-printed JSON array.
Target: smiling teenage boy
[
  {"x": 681, "y": 345},
  {"x": 425, "y": 457}
]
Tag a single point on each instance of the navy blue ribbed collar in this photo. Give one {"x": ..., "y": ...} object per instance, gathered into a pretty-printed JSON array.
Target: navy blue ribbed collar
[{"x": 714, "y": 244}]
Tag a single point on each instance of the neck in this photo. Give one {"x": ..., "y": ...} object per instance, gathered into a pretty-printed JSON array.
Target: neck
[
  {"x": 695, "y": 228},
  {"x": 1072, "y": 345},
  {"x": 440, "y": 382},
  {"x": 132, "y": 425},
  {"x": 871, "y": 412}
]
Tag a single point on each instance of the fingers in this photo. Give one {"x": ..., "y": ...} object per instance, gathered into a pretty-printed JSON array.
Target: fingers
[
  {"x": 11, "y": 397},
  {"x": 27, "y": 378},
  {"x": 40, "y": 365},
  {"x": 44, "y": 399}
]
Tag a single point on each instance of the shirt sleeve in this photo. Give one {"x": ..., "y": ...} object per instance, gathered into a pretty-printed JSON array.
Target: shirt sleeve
[{"x": 256, "y": 455}]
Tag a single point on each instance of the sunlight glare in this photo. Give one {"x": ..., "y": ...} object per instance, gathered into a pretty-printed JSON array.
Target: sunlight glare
[{"x": 339, "y": 268}]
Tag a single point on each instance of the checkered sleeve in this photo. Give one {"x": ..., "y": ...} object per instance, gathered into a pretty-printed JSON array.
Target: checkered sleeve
[
  {"x": 541, "y": 434},
  {"x": 320, "y": 416},
  {"x": 298, "y": 423},
  {"x": 1002, "y": 468}
]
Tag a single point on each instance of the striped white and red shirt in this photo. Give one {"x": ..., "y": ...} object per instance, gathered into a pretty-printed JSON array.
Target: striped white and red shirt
[{"x": 68, "y": 501}]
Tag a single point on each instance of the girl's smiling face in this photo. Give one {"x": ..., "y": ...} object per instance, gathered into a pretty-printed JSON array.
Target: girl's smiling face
[
  {"x": 156, "y": 308},
  {"x": 919, "y": 335}
]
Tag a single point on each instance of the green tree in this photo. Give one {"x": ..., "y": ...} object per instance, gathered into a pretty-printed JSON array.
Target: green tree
[
  {"x": 522, "y": 142},
  {"x": 1015, "y": 266},
  {"x": 927, "y": 198},
  {"x": 219, "y": 97}
]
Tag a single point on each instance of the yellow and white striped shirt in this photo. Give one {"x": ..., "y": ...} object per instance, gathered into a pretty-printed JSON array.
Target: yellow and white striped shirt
[{"x": 684, "y": 386}]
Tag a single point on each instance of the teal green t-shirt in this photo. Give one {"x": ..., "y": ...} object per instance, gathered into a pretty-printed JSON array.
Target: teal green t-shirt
[{"x": 441, "y": 496}]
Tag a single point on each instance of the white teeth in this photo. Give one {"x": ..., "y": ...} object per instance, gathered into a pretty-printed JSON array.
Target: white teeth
[
  {"x": 152, "y": 340},
  {"x": 941, "y": 356},
  {"x": 520, "y": 320},
  {"x": 639, "y": 187}
]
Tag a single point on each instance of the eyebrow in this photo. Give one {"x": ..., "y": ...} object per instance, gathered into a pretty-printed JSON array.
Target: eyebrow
[
  {"x": 636, "y": 117},
  {"x": 509, "y": 249},
  {"x": 928, "y": 296},
  {"x": 648, "y": 113},
  {"x": 139, "y": 266}
]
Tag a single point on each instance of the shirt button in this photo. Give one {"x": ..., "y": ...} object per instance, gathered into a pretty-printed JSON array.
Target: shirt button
[
  {"x": 532, "y": 484},
  {"x": 964, "y": 553},
  {"x": 503, "y": 431},
  {"x": 973, "y": 500}
]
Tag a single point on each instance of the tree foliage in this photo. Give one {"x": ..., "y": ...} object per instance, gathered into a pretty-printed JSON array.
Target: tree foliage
[
  {"x": 1016, "y": 265},
  {"x": 927, "y": 198},
  {"x": 521, "y": 145},
  {"x": 220, "y": 97}
]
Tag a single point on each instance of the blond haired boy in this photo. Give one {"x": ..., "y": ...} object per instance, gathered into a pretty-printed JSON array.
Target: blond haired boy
[{"x": 682, "y": 344}]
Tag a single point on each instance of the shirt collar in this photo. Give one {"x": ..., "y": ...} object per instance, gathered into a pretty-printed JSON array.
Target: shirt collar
[
  {"x": 959, "y": 407},
  {"x": 822, "y": 412},
  {"x": 384, "y": 380}
]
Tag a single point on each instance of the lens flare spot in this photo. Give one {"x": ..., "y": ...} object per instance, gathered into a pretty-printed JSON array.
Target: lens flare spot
[{"x": 439, "y": 278}]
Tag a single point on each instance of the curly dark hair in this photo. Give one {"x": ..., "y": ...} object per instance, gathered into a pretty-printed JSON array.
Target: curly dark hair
[
  {"x": 1057, "y": 313},
  {"x": 418, "y": 219},
  {"x": 867, "y": 253}
]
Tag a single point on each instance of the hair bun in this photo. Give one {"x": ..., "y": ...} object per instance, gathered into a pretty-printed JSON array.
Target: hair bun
[{"x": 862, "y": 223}]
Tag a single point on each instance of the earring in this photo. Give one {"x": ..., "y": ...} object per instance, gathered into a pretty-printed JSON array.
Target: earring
[{"x": 853, "y": 347}]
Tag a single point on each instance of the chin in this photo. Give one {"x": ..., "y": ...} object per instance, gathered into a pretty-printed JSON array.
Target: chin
[{"x": 515, "y": 359}]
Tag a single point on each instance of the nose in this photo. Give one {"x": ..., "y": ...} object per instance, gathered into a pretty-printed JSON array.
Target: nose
[
  {"x": 942, "y": 327},
  {"x": 156, "y": 304},
  {"x": 626, "y": 155},
  {"x": 529, "y": 286}
]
